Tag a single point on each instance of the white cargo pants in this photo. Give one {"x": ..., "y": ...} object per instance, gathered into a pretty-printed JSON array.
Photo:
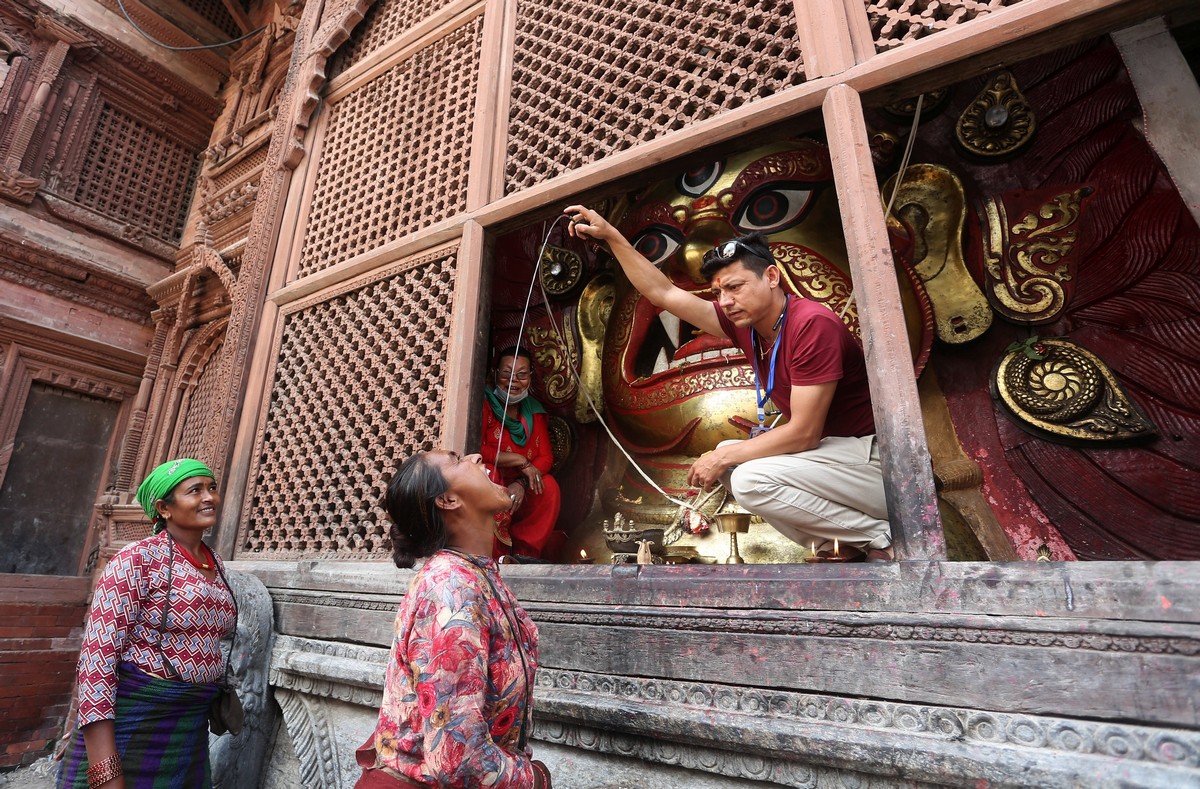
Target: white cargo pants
[{"x": 832, "y": 491}]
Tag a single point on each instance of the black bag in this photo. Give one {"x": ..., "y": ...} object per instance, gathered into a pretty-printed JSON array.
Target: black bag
[{"x": 225, "y": 714}]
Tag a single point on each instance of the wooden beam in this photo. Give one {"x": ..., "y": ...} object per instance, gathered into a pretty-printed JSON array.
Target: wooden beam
[
  {"x": 1170, "y": 102},
  {"x": 430, "y": 29},
  {"x": 959, "y": 635},
  {"x": 914, "y": 660},
  {"x": 824, "y": 34},
  {"x": 409, "y": 244},
  {"x": 468, "y": 334},
  {"x": 239, "y": 16},
  {"x": 861, "y": 38},
  {"x": 1006, "y": 36},
  {"x": 1167, "y": 592},
  {"x": 489, "y": 132},
  {"x": 1003, "y": 36},
  {"x": 907, "y": 472}
]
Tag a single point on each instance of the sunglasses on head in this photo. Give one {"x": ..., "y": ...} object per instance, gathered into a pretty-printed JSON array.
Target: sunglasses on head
[{"x": 729, "y": 250}]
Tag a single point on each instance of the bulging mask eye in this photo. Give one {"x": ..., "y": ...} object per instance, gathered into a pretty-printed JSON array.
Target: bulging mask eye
[
  {"x": 699, "y": 180},
  {"x": 658, "y": 243},
  {"x": 770, "y": 209}
]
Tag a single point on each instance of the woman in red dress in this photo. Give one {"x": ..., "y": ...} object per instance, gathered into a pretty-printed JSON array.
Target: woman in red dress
[{"x": 521, "y": 434}]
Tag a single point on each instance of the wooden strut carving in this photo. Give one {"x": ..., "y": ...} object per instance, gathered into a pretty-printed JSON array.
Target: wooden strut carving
[{"x": 321, "y": 30}]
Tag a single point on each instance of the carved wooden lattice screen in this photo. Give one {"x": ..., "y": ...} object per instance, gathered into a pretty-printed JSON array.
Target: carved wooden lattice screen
[
  {"x": 896, "y": 22},
  {"x": 591, "y": 79},
  {"x": 396, "y": 152},
  {"x": 216, "y": 13},
  {"x": 386, "y": 20},
  {"x": 359, "y": 383},
  {"x": 200, "y": 408},
  {"x": 138, "y": 175}
]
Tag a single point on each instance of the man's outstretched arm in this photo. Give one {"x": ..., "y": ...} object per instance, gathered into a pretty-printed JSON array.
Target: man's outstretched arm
[{"x": 643, "y": 274}]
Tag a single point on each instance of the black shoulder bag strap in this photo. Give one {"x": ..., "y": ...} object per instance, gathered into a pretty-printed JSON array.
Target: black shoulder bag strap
[{"x": 162, "y": 624}]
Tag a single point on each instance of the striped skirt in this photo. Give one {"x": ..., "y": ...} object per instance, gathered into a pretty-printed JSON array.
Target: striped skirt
[{"x": 162, "y": 734}]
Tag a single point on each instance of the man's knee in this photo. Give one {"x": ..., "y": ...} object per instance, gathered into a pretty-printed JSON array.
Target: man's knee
[{"x": 744, "y": 484}]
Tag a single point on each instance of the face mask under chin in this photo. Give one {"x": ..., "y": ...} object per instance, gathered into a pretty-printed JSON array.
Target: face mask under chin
[{"x": 513, "y": 398}]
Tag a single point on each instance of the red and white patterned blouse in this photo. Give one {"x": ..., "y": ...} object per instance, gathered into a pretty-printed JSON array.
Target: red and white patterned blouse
[
  {"x": 456, "y": 688},
  {"x": 123, "y": 624}
]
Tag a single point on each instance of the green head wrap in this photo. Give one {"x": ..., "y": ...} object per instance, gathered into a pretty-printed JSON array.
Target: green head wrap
[{"x": 163, "y": 480}]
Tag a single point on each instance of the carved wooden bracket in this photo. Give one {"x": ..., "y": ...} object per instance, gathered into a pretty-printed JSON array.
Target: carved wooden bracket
[{"x": 337, "y": 23}]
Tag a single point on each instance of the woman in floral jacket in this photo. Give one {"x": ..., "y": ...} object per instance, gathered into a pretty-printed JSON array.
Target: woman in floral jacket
[{"x": 457, "y": 699}]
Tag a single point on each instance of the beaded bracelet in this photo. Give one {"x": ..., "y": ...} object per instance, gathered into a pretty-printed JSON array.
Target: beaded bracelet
[{"x": 104, "y": 771}]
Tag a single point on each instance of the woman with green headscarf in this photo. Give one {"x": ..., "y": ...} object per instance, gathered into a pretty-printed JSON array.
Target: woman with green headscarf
[
  {"x": 151, "y": 658},
  {"x": 516, "y": 448}
]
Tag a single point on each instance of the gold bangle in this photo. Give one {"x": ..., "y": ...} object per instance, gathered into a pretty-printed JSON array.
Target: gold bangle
[{"x": 104, "y": 771}]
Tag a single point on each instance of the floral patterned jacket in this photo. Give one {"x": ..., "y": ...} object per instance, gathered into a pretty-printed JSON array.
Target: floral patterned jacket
[{"x": 457, "y": 685}]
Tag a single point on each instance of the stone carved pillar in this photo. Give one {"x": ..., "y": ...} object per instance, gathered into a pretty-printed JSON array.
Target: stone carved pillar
[
  {"x": 238, "y": 761},
  {"x": 312, "y": 739}
]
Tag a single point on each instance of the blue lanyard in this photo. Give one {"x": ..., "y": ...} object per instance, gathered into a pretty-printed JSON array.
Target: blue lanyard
[{"x": 766, "y": 394}]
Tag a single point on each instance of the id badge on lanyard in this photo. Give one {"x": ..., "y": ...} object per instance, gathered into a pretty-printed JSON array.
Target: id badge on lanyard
[{"x": 761, "y": 395}]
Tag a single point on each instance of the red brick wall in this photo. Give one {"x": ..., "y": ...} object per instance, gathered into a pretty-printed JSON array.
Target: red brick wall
[{"x": 41, "y": 623}]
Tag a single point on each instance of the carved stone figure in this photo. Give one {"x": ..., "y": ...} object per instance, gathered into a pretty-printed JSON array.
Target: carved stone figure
[{"x": 237, "y": 761}]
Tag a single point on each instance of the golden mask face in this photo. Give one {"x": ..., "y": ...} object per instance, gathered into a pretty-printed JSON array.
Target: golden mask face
[{"x": 670, "y": 388}]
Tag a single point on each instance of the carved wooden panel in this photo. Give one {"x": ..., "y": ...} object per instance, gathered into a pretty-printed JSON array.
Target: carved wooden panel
[
  {"x": 591, "y": 79},
  {"x": 386, "y": 20},
  {"x": 396, "y": 152},
  {"x": 1131, "y": 302},
  {"x": 251, "y": 165},
  {"x": 897, "y": 22},
  {"x": 138, "y": 174},
  {"x": 201, "y": 401},
  {"x": 358, "y": 384}
]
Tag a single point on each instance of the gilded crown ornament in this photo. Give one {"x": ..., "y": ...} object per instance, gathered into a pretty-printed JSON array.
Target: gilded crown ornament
[
  {"x": 1029, "y": 270},
  {"x": 1062, "y": 392},
  {"x": 999, "y": 122}
]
